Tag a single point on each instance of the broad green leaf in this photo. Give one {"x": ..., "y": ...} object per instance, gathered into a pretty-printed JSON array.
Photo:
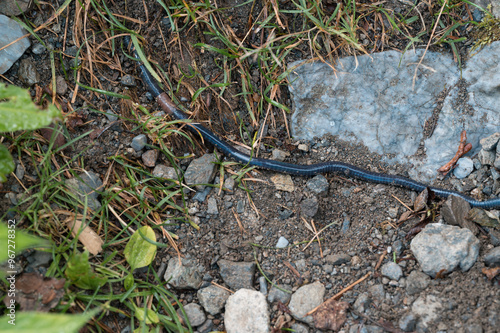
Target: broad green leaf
[
  {"x": 18, "y": 112},
  {"x": 19, "y": 241},
  {"x": 37, "y": 322},
  {"x": 81, "y": 274},
  {"x": 152, "y": 317},
  {"x": 129, "y": 281},
  {"x": 6, "y": 163},
  {"x": 139, "y": 252}
]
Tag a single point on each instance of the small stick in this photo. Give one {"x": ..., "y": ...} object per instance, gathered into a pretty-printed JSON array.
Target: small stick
[
  {"x": 463, "y": 149},
  {"x": 340, "y": 293}
]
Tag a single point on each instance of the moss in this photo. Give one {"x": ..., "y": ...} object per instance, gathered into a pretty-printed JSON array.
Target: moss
[{"x": 486, "y": 32}]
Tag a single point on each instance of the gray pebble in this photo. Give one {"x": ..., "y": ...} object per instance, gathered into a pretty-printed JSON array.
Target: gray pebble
[
  {"x": 282, "y": 243},
  {"x": 490, "y": 142},
  {"x": 212, "y": 206},
  {"x": 38, "y": 49},
  {"x": 416, "y": 282},
  {"x": 492, "y": 258},
  {"x": 391, "y": 270},
  {"x": 276, "y": 294},
  {"x": 309, "y": 207},
  {"x": 464, "y": 168},
  {"x": 263, "y": 285},
  {"x": 408, "y": 322},
  {"x": 139, "y": 142},
  {"x": 128, "y": 80},
  {"x": 195, "y": 314},
  {"x": 318, "y": 184},
  {"x": 27, "y": 72}
]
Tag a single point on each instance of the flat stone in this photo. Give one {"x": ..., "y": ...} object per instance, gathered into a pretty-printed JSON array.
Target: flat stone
[
  {"x": 305, "y": 299},
  {"x": 11, "y": 30},
  {"x": 165, "y": 172},
  {"x": 184, "y": 275},
  {"x": 14, "y": 8},
  {"x": 283, "y": 182},
  {"x": 213, "y": 298},
  {"x": 374, "y": 100},
  {"x": 247, "y": 312},
  {"x": 201, "y": 171},
  {"x": 441, "y": 248},
  {"x": 237, "y": 275}
]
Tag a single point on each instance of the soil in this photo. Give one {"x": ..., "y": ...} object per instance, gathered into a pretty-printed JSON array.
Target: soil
[{"x": 371, "y": 210}]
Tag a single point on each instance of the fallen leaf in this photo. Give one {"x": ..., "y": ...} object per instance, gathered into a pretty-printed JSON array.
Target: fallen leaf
[
  {"x": 491, "y": 272},
  {"x": 48, "y": 132},
  {"x": 421, "y": 200},
  {"x": 405, "y": 216},
  {"x": 331, "y": 315},
  {"x": 88, "y": 237},
  {"x": 36, "y": 293},
  {"x": 139, "y": 252}
]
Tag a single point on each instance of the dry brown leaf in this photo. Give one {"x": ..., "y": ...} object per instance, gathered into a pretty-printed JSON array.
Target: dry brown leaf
[
  {"x": 421, "y": 201},
  {"x": 491, "y": 272},
  {"x": 48, "y": 131},
  {"x": 88, "y": 237},
  {"x": 331, "y": 315},
  {"x": 36, "y": 293}
]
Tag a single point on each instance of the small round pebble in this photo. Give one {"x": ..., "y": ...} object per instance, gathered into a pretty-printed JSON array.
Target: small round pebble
[{"x": 464, "y": 168}]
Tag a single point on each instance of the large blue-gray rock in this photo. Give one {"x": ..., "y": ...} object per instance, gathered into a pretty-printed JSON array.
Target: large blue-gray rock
[
  {"x": 11, "y": 30},
  {"x": 377, "y": 100}
]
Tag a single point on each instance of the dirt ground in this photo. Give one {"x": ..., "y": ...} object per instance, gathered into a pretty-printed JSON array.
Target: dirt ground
[{"x": 370, "y": 210}]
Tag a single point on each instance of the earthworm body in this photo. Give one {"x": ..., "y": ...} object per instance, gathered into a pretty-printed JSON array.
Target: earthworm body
[{"x": 295, "y": 169}]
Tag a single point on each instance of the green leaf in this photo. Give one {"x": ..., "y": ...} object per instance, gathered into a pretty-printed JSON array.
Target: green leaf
[
  {"x": 151, "y": 318},
  {"x": 81, "y": 274},
  {"x": 129, "y": 281},
  {"x": 139, "y": 252},
  {"x": 19, "y": 241},
  {"x": 18, "y": 112},
  {"x": 6, "y": 163},
  {"x": 37, "y": 322}
]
